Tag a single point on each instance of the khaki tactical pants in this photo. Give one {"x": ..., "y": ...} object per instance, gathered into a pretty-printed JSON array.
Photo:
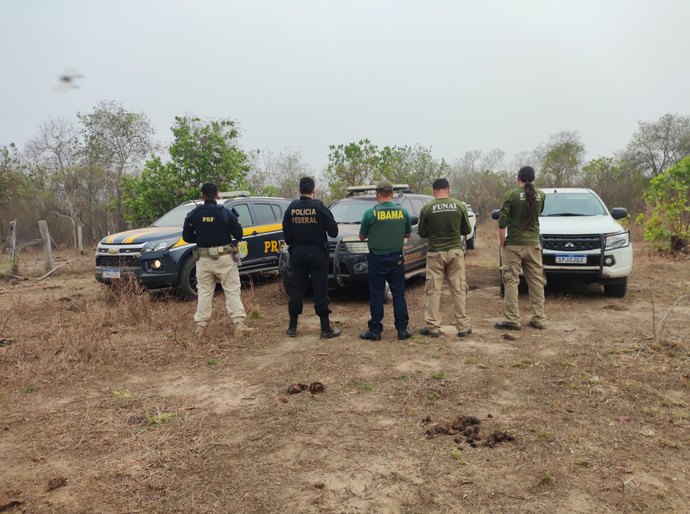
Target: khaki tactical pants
[
  {"x": 223, "y": 270},
  {"x": 529, "y": 259},
  {"x": 448, "y": 266}
]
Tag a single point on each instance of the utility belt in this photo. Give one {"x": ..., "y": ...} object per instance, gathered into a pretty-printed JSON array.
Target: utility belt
[{"x": 214, "y": 252}]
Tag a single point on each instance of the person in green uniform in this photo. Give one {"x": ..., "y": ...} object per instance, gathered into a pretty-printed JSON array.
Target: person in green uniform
[
  {"x": 385, "y": 227},
  {"x": 518, "y": 236},
  {"x": 444, "y": 221}
]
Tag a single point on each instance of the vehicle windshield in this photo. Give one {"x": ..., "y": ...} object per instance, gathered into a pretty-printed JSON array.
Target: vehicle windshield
[
  {"x": 174, "y": 218},
  {"x": 573, "y": 204},
  {"x": 351, "y": 211}
]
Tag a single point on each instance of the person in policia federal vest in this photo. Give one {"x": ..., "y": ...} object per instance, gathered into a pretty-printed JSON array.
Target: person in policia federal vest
[
  {"x": 385, "y": 227},
  {"x": 212, "y": 227},
  {"x": 444, "y": 221},
  {"x": 306, "y": 224},
  {"x": 521, "y": 248}
]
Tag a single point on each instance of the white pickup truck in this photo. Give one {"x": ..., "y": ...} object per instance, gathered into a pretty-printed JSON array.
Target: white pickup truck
[{"x": 582, "y": 242}]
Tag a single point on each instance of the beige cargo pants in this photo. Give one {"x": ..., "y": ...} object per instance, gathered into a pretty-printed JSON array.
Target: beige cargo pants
[
  {"x": 210, "y": 271},
  {"x": 527, "y": 258},
  {"x": 448, "y": 266}
]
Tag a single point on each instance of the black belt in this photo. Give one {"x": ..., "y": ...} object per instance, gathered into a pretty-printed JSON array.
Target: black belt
[{"x": 386, "y": 254}]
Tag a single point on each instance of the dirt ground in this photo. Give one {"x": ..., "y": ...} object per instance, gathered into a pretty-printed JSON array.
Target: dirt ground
[{"x": 109, "y": 403}]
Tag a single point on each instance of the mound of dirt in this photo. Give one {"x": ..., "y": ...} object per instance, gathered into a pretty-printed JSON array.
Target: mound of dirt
[{"x": 467, "y": 430}]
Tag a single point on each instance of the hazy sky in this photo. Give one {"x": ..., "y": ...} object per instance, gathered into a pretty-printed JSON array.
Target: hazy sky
[{"x": 304, "y": 74}]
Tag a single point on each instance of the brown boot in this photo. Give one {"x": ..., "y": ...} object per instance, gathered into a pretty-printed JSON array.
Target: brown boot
[{"x": 242, "y": 330}]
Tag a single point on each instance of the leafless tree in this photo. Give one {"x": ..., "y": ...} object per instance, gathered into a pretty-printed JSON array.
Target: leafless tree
[{"x": 658, "y": 145}]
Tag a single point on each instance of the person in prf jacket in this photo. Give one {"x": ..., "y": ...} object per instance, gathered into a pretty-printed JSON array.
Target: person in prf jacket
[
  {"x": 212, "y": 227},
  {"x": 306, "y": 224},
  {"x": 444, "y": 221}
]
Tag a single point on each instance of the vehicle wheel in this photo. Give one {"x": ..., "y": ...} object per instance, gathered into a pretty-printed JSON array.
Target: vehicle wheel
[
  {"x": 616, "y": 289},
  {"x": 470, "y": 242},
  {"x": 186, "y": 287}
]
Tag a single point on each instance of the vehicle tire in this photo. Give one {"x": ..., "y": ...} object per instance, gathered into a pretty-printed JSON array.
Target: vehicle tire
[
  {"x": 186, "y": 286},
  {"x": 470, "y": 242},
  {"x": 617, "y": 289}
]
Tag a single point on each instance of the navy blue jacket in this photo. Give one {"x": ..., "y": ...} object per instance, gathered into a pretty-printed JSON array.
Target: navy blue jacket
[
  {"x": 308, "y": 222},
  {"x": 211, "y": 225}
]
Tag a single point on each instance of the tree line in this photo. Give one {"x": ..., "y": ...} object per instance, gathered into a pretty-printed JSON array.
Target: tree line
[{"x": 106, "y": 172}]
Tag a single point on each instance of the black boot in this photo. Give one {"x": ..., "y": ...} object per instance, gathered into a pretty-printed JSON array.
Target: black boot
[
  {"x": 328, "y": 331},
  {"x": 292, "y": 327}
]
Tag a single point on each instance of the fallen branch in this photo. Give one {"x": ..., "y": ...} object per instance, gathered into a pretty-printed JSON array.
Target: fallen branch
[
  {"x": 54, "y": 269},
  {"x": 657, "y": 333}
]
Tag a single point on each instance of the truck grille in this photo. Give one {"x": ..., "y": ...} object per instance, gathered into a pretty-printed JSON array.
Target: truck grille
[
  {"x": 571, "y": 243},
  {"x": 117, "y": 261}
]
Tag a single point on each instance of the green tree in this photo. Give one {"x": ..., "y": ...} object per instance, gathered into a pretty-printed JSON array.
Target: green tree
[
  {"x": 117, "y": 141},
  {"x": 667, "y": 225},
  {"x": 561, "y": 160},
  {"x": 202, "y": 151},
  {"x": 412, "y": 165},
  {"x": 15, "y": 187},
  {"x": 11, "y": 178},
  {"x": 659, "y": 144},
  {"x": 352, "y": 164}
]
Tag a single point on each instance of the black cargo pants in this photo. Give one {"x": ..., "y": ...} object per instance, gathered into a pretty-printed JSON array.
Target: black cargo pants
[{"x": 309, "y": 261}]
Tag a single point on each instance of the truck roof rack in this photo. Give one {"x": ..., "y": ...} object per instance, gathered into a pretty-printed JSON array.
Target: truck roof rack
[
  {"x": 233, "y": 194},
  {"x": 397, "y": 188}
]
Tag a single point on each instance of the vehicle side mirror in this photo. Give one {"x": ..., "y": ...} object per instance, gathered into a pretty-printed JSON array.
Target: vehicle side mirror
[
  {"x": 618, "y": 213},
  {"x": 414, "y": 220},
  {"x": 495, "y": 214},
  {"x": 237, "y": 214}
]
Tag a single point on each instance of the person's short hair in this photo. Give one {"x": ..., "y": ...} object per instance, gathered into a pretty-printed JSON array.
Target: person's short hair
[
  {"x": 440, "y": 183},
  {"x": 385, "y": 186},
  {"x": 306, "y": 185},
  {"x": 526, "y": 174},
  {"x": 209, "y": 190}
]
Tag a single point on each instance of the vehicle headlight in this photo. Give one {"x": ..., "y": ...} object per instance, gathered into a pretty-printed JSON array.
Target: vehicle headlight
[
  {"x": 620, "y": 240},
  {"x": 159, "y": 246}
]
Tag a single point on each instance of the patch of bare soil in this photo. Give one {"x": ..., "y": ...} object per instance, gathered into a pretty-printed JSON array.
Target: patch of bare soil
[{"x": 110, "y": 404}]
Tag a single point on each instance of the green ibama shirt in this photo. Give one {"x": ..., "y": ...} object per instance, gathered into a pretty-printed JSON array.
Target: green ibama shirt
[
  {"x": 385, "y": 226},
  {"x": 444, "y": 221},
  {"x": 512, "y": 211}
]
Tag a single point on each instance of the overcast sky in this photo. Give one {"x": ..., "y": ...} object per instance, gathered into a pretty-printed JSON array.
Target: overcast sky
[{"x": 305, "y": 74}]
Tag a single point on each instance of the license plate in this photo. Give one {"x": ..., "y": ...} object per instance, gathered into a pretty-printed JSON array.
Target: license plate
[
  {"x": 571, "y": 258},
  {"x": 111, "y": 273}
]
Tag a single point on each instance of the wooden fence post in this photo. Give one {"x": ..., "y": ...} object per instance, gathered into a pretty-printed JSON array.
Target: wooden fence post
[
  {"x": 14, "y": 260},
  {"x": 45, "y": 235},
  {"x": 80, "y": 241}
]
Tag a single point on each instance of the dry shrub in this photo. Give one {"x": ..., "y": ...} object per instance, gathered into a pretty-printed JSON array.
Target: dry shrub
[{"x": 131, "y": 299}]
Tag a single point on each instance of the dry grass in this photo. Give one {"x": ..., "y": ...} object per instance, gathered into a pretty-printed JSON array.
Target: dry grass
[{"x": 108, "y": 389}]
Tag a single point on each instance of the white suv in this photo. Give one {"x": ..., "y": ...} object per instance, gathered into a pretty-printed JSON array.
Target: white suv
[{"x": 582, "y": 242}]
